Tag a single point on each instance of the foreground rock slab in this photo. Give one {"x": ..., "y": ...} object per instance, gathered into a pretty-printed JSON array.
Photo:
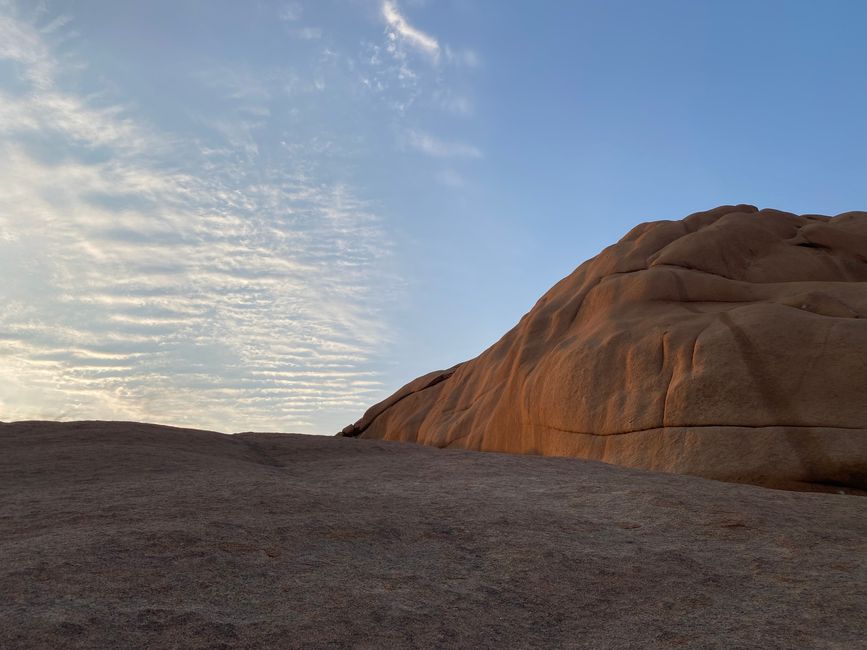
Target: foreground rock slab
[
  {"x": 129, "y": 535},
  {"x": 731, "y": 344}
]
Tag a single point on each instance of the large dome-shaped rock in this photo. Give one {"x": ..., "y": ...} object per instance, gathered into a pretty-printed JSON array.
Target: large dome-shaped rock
[{"x": 731, "y": 345}]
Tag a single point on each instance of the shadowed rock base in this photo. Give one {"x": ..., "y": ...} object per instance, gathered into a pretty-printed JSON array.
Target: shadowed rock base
[
  {"x": 730, "y": 345},
  {"x": 124, "y": 535}
]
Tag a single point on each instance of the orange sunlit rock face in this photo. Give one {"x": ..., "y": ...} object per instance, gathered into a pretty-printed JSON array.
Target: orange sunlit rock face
[{"x": 731, "y": 344}]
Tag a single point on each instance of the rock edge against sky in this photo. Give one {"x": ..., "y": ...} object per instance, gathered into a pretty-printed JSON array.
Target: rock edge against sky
[{"x": 731, "y": 344}]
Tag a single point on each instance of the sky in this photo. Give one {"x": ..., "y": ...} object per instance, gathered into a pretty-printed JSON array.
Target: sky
[{"x": 270, "y": 215}]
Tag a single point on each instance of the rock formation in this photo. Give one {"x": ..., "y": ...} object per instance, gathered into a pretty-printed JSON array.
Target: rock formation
[
  {"x": 730, "y": 345},
  {"x": 128, "y": 535}
]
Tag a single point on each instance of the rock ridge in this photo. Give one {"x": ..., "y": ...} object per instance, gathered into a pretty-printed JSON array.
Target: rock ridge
[{"x": 731, "y": 344}]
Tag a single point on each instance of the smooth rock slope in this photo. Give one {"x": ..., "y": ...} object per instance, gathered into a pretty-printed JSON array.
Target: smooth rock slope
[
  {"x": 124, "y": 535},
  {"x": 730, "y": 345}
]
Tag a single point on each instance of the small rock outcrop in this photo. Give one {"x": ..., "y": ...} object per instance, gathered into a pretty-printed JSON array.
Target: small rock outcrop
[{"x": 731, "y": 344}]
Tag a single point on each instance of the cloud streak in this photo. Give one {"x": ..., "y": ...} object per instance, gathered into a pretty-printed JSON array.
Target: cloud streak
[
  {"x": 431, "y": 146},
  {"x": 399, "y": 28}
]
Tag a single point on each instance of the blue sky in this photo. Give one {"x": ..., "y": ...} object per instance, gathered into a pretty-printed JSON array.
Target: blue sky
[{"x": 270, "y": 215}]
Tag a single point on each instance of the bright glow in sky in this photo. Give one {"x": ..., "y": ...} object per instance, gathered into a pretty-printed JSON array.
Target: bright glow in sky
[{"x": 270, "y": 215}]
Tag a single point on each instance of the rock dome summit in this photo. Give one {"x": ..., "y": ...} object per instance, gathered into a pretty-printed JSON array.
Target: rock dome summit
[{"x": 731, "y": 345}]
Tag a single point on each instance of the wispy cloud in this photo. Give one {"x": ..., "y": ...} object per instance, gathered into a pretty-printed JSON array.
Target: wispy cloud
[
  {"x": 291, "y": 11},
  {"x": 413, "y": 69},
  {"x": 400, "y": 29},
  {"x": 450, "y": 178},
  {"x": 454, "y": 104},
  {"x": 25, "y": 46},
  {"x": 431, "y": 146},
  {"x": 149, "y": 276},
  {"x": 465, "y": 57},
  {"x": 308, "y": 33}
]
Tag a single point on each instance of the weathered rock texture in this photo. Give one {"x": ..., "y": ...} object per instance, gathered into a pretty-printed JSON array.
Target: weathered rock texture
[
  {"x": 731, "y": 345},
  {"x": 125, "y": 535}
]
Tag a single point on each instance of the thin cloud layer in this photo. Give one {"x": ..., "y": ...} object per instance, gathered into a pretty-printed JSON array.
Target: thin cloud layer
[{"x": 151, "y": 277}]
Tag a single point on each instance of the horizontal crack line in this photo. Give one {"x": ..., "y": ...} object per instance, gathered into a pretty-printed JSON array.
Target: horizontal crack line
[{"x": 696, "y": 426}]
